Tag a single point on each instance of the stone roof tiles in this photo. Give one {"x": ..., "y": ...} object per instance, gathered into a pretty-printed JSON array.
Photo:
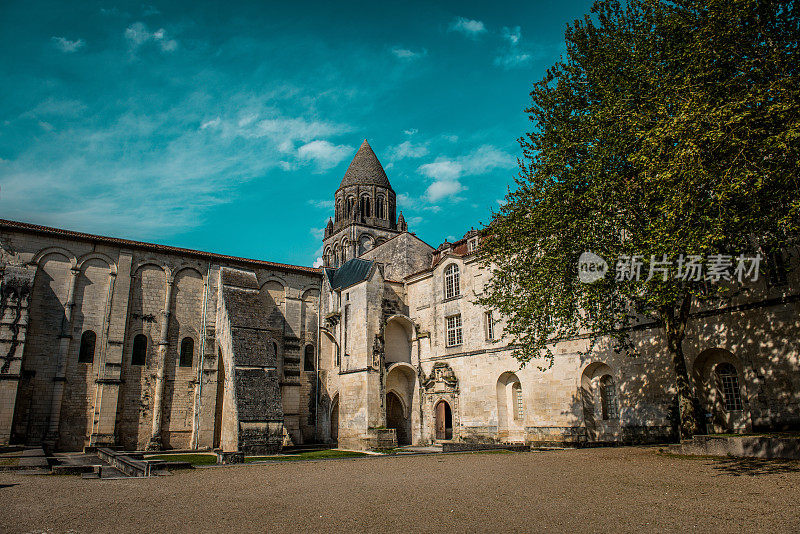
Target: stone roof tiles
[{"x": 365, "y": 169}]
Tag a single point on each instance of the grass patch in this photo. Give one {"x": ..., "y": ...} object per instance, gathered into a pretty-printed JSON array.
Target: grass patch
[
  {"x": 306, "y": 455},
  {"x": 194, "y": 459}
]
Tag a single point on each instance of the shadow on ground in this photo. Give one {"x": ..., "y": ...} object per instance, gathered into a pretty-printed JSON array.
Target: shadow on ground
[{"x": 753, "y": 466}]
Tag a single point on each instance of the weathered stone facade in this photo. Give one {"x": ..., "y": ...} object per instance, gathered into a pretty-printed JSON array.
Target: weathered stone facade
[
  {"x": 240, "y": 342},
  {"x": 386, "y": 363},
  {"x": 112, "y": 342}
]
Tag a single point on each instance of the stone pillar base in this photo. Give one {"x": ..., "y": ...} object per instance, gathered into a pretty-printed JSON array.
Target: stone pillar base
[{"x": 154, "y": 444}]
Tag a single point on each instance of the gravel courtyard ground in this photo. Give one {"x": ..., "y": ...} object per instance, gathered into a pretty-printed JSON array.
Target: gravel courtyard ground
[{"x": 619, "y": 489}]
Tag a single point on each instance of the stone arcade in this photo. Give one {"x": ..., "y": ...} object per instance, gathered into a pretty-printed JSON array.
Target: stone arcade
[{"x": 106, "y": 341}]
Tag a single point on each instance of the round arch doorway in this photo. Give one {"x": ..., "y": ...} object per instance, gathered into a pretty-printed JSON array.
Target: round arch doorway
[
  {"x": 396, "y": 418},
  {"x": 444, "y": 421}
]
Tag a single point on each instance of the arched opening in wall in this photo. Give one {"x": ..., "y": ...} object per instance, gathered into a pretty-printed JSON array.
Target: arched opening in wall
[
  {"x": 718, "y": 377},
  {"x": 308, "y": 359},
  {"x": 218, "y": 411},
  {"x": 139, "y": 352},
  {"x": 88, "y": 342},
  {"x": 334, "y": 431},
  {"x": 366, "y": 206},
  {"x": 187, "y": 352},
  {"x": 400, "y": 387},
  {"x": 345, "y": 252},
  {"x": 510, "y": 408},
  {"x": 337, "y": 254},
  {"x": 351, "y": 204},
  {"x": 598, "y": 394},
  {"x": 364, "y": 244},
  {"x": 380, "y": 210},
  {"x": 396, "y": 418},
  {"x": 397, "y": 340},
  {"x": 444, "y": 420}
]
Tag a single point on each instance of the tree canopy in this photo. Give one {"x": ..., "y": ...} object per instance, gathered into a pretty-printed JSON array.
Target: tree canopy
[{"x": 668, "y": 130}]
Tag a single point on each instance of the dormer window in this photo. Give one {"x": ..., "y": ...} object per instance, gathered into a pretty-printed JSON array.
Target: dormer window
[{"x": 472, "y": 244}]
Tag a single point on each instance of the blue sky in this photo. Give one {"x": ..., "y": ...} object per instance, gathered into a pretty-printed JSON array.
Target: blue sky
[{"x": 227, "y": 126}]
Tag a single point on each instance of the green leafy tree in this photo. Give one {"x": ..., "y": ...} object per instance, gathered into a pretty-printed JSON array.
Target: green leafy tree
[{"x": 667, "y": 129}]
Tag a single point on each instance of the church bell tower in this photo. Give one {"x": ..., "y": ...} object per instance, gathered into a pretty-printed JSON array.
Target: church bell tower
[{"x": 365, "y": 211}]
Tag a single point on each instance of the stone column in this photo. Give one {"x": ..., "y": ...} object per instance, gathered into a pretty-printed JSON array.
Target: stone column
[
  {"x": 65, "y": 338},
  {"x": 163, "y": 345}
]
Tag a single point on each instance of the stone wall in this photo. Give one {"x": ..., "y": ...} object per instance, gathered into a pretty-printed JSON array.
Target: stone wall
[{"x": 117, "y": 290}]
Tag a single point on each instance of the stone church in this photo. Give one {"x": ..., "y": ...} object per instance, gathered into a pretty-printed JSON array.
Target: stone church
[{"x": 111, "y": 342}]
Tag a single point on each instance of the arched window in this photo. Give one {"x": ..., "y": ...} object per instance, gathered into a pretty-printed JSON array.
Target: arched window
[
  {"x": 308, "y": 364},
  {"x": 187, "y": 352},
  {"x": 452, "y": 286},
  {"x": 275, "y": 349},
  {"x": 338, "y": 214},
  {"x": 366, "y": 207},
  {"x": 139, "y": 356},
  {"x": 519, "y": 405},
  {"x": 729, "y": 386},
  {"x": 351, "y": 202},
  {"x": 88, "y": 341},
  {"x": 608, "y": 398},
  {"x": 379, "y": 208}
]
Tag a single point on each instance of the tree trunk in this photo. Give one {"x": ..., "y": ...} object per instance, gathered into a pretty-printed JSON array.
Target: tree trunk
[{"x": 675, "y": 329}]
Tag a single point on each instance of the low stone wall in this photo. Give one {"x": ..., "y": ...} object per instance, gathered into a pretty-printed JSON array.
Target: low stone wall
[
  {"x": 456, "y": 446},
  {"x": 743, "y": 446}
]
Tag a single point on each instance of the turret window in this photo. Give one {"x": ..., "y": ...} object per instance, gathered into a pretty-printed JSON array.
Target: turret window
[
  {"x": 380, "y": 212},
  {"x": 366, "y": 207}
]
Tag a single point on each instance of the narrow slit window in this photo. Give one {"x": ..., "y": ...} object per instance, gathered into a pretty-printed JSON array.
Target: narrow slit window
[
  {"x": 489, "y": 326},
  {"x": 187, "y": 352},
  {"x": 139, "y": 356},
  {"x": 88, "y": 342}
]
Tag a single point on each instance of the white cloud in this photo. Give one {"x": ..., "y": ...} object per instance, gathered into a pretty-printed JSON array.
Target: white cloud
[
  {"x": 54, "y": 107},
  {"x": 511, "y": 55},
  {"x": 67, "y": 46},
  {"x": 322, "y": 204},
  {"x": 324, "y": 153},
  {"x": 318, "y": 262},
  {"x": 443, "y": 188},
  {"x": 512, "y": 35},
  {"x": 138, "y": 35},
  {"x": 446, "y": 173},
  {"x": 213, "y": 123},
  {"x": 442, "y": 169},
  {"x": 470, "y": 28},
  {"x": 412, "y": 131},
  {"x": 406, "y": 54},
  {"x": 407, "y": 149}
]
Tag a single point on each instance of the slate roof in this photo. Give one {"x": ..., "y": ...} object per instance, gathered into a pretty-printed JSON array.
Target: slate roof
[
  {"x": 352, "y": 272},
  {"x": 365, "y": 169},
  {"x": 58, "y": 232}
]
